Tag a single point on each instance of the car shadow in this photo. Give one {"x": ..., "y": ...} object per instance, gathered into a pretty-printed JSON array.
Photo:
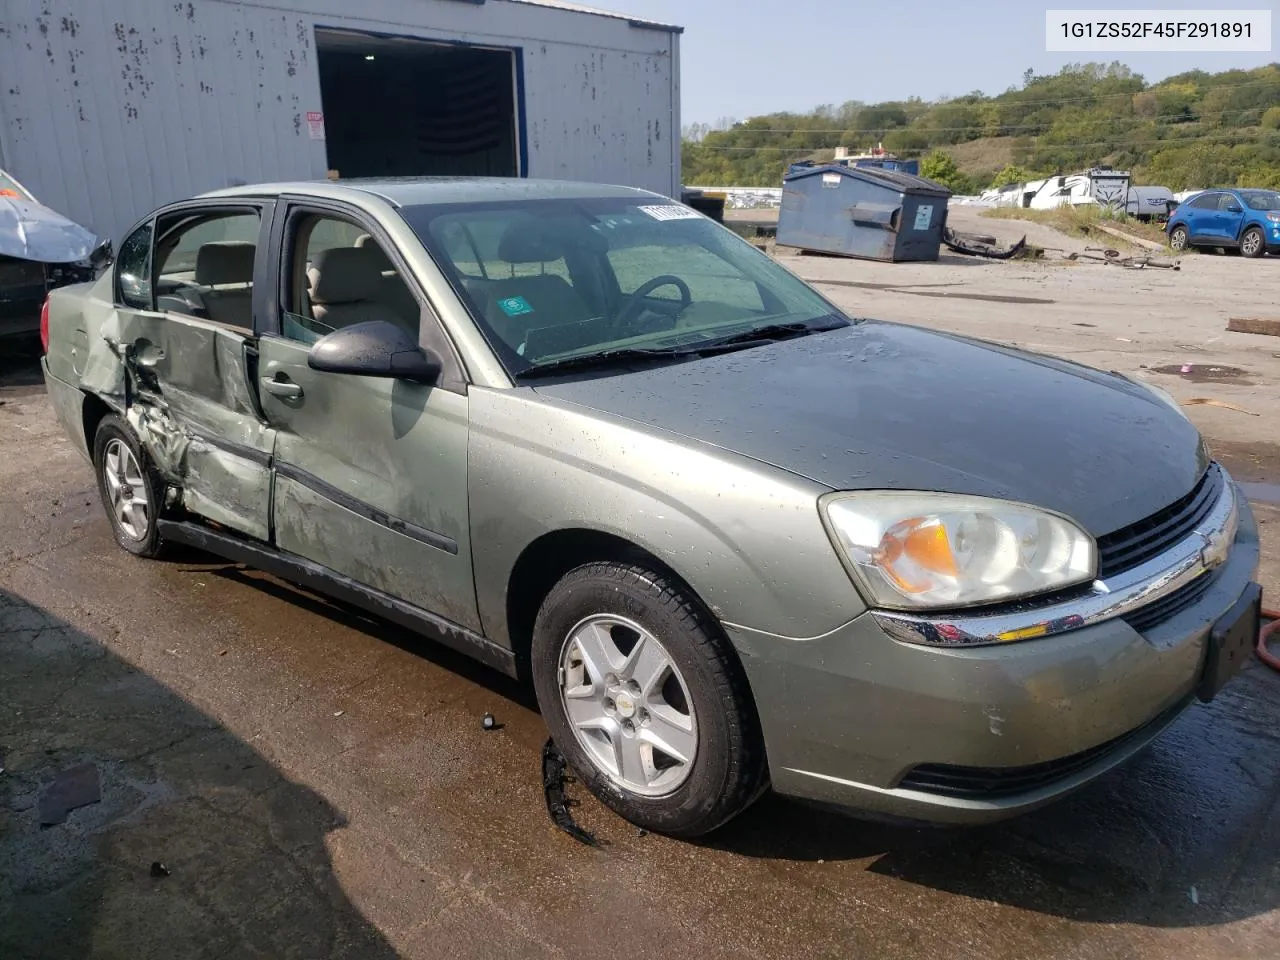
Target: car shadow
[
  {"x": 1186, "y": 834},
  {"x": 183, "y": 841}
]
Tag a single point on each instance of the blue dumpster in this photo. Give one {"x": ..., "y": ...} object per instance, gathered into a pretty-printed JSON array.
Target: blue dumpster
[{"x": 865, "y": 212}]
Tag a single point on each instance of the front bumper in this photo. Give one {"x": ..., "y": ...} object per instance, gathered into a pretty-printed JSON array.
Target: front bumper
[{"x": 863, "y": 720}]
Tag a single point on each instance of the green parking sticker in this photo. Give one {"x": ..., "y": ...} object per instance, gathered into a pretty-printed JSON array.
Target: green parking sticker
[{"x": 515, "y": 306}]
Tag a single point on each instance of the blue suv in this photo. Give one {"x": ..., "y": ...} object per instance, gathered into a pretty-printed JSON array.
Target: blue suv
[{"x": 1244, "y": 220}]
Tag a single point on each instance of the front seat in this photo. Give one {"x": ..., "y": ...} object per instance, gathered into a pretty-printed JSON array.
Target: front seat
[
  {"x": 346, "y": 284},
  {"x": 224, "y": 269},
  {"x": 515, "y": 305}
]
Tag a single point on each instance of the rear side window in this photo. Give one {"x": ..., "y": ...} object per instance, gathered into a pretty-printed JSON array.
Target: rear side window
[
  {"x": 1207, "y": 202},
  {"x": 205, "y": 264},
  {"x": 133, "y": 269}
]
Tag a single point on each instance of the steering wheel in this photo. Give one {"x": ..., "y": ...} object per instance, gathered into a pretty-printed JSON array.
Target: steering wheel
[{"x": 631, "y": 308}]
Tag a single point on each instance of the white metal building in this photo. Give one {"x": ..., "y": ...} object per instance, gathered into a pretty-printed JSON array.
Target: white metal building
[{"x": 109, "y": 108}]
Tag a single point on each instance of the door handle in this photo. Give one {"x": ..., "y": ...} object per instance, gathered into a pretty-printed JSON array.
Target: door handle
[{"x": 285, "y": 389}]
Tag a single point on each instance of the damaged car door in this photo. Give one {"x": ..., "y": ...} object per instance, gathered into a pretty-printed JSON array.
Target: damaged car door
[
  {"x": 186, "y": 288},
  {"x": 371, "y": 472}
]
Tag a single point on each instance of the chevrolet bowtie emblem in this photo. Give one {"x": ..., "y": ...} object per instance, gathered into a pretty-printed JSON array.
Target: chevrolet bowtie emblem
[{"x": 1215, "y": 550}]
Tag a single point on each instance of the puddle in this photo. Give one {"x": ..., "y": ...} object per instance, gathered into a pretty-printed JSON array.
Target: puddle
[
  {"x": 1261, "y": 492},
  {"x": 1205, "y": 373}
]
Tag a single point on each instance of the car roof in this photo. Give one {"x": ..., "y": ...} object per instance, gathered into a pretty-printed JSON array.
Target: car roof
[{"x": 423, "y": 191}]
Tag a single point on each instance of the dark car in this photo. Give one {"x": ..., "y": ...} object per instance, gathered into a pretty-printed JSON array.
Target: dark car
[{"x": 1243, "y": 220}]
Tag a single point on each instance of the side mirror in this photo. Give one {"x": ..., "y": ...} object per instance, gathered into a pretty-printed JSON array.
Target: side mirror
[
  {"x": 1235, "y": 208},
  {"x": 374, "y": 349},
  {"x": 103, "y": 255}
]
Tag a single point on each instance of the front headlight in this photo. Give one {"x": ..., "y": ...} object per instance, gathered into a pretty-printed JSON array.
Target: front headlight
[{"x": 913, "y": 551}]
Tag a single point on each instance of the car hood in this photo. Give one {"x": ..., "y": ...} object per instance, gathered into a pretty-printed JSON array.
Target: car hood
[
  {"x": 888, "y": 406},
  {"x": 30, "y": 231}
]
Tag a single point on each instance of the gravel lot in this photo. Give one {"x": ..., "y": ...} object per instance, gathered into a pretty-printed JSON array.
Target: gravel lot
[{"x": 280, "y": 778}]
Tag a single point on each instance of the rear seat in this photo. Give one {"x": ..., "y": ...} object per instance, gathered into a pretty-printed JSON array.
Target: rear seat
[{"x": 224, "y": 271}]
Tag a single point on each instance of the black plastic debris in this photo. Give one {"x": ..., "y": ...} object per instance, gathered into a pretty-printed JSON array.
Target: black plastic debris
[
  {"x": 975, "y": 245},
  {"x": 553, "y": 781},
  {"x": 73, "y": 788},
  {"x": 159, "y": 870}
]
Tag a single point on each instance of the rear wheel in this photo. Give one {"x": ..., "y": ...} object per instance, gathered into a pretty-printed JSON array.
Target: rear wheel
[
  {"x": 1252, "y": 244},
  {"x": 131, "y": 489},
  {"x": 1178, "y": 238},
  {"x": 644, "y": 696}
]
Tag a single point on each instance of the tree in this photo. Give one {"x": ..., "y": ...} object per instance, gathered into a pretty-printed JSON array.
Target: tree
[
  {"x": 940, "y": 167},
  {"x": 1010, "y": 174},
  {"x": 1197, "y": 128}
]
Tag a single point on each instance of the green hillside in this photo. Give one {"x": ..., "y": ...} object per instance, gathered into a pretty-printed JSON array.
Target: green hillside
[{"x": 1193, "y": 130}]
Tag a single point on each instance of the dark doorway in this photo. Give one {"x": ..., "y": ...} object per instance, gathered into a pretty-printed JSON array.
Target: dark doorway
[{"x": 403, "y": 107}]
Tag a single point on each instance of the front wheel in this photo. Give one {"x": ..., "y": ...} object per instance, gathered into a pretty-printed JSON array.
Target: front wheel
[
  {"x": 1178, "y": 238},
  {"x": 1252, "y": 244},
  {"x": 647, "y": 701}
]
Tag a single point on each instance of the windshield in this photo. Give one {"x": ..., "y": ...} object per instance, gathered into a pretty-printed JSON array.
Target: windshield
[
  {"x": 553, "y": 280},
  {"x": 1261, "y": 199}
]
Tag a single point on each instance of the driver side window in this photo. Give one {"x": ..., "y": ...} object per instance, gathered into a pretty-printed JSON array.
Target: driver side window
[{"x": 339, "y": 275}]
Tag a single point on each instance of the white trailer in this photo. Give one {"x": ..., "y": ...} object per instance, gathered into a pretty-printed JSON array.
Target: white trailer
[{"x": 1100, "y": 185}]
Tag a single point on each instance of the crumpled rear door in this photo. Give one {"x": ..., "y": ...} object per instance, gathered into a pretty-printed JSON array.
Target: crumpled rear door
[{"x": 189, "y": 398}]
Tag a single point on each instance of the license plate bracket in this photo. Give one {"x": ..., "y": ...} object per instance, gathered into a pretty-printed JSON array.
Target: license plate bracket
[{"x": 1231, "y": 642}]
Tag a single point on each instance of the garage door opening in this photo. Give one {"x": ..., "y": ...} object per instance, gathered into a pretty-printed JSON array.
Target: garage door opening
[{"x": 404, "y": 107}]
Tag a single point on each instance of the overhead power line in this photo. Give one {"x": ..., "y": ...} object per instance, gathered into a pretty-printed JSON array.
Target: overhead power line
[
  {"x": 978, "y": 126},
  {"x": 1101, "y": 96},
  {"x": 1098, "y": 143}
]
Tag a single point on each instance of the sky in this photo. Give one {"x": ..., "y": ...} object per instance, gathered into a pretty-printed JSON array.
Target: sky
[{"x": 742, "y": 58}]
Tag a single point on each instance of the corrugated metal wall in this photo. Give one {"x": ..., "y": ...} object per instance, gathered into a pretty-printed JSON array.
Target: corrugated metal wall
[{"x": 111, "y": 107}]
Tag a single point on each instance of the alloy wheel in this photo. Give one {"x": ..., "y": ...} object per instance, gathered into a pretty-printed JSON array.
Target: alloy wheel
[
  {"x": 628, "y": 705},
  {"x": 127, "y": 490}
]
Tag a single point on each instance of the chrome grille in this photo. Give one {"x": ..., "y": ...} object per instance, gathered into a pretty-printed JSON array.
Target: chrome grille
[{"x": 1148, "y": 538}]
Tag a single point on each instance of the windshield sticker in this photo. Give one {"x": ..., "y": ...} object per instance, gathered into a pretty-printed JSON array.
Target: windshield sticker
[
  {"x": 515, "y": 306},
  {"x": 924, "y": 216},
  {"x": 672, "y": 212}
]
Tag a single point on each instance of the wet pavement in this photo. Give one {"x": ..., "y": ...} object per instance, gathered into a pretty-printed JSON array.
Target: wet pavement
[{"x": 280, "y": 777}]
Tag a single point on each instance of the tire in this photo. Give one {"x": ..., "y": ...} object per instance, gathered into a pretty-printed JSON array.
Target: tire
[
  {"x": 1178, "y": 238},
  {"x": 1252, "y": 243},
  {"x": 626, "y": 604},
  {"x": 112, "y": 441}
]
